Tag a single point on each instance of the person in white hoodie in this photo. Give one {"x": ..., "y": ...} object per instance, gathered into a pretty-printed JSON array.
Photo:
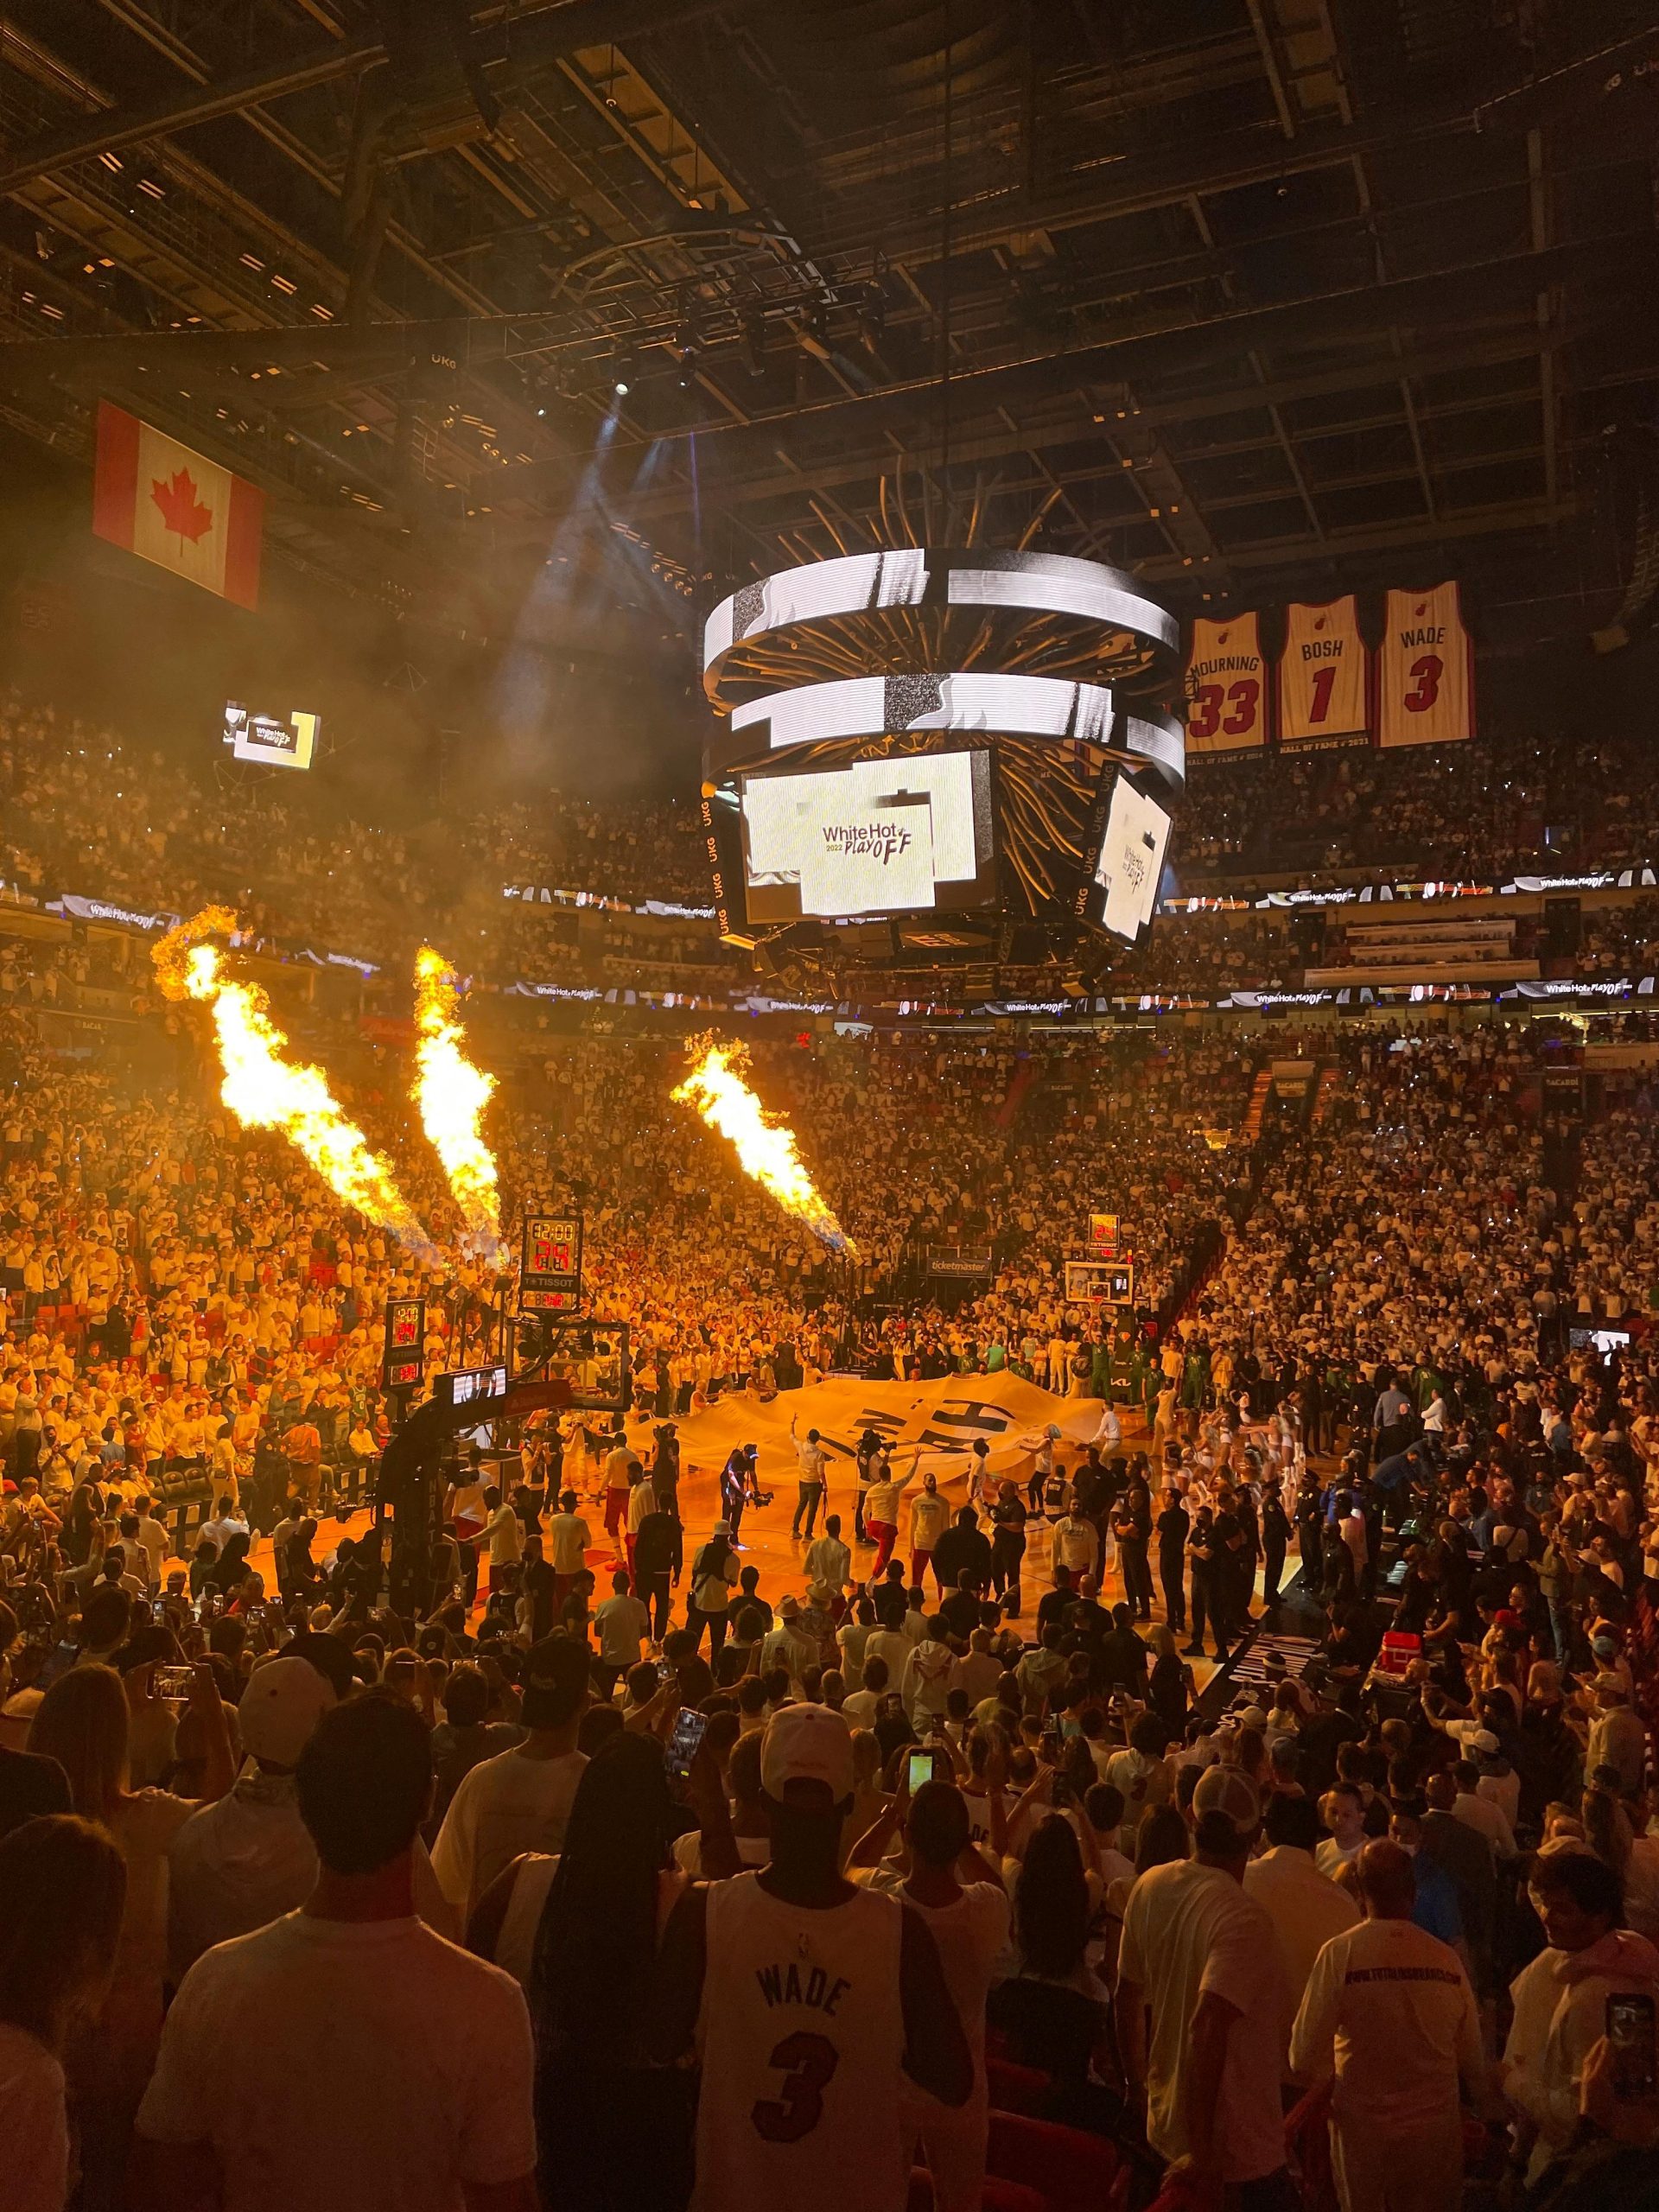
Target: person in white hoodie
[
  {"x": 1560, "y": 1998},
  {"x": 925, "y": 1687},
  {"x": 244, "y": 1861}
]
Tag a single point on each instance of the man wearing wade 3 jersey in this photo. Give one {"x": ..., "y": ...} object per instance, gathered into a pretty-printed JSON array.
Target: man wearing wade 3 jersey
[{"x": 806, "y": 1999}]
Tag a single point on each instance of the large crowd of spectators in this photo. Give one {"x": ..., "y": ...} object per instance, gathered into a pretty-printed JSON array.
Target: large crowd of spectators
[
  {"x": 576, "y": 1868},
  {"x": 1387, "y": 1358},
  {"x": 1480, "y": 811},
  {"x": 84, "y": 810}
]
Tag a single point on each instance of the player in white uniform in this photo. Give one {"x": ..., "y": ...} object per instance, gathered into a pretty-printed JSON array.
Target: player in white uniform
[{"x": 807, "y": 1999}]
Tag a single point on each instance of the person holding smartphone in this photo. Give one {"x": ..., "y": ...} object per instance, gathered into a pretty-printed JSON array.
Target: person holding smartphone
[
  {"x": 959, "y": 1895},
  {"x": 1561, "y": 1997},
  {"x": 809, "y": 2000}
]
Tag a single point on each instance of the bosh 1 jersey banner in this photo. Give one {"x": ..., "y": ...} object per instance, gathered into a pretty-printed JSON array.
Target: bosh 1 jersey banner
[
  {"x": 1226, "y": 687},
  {"x": 1322, "y": 676},
  {"x": 1426, "y": 670},
  {"x": 176, "y": 508}
]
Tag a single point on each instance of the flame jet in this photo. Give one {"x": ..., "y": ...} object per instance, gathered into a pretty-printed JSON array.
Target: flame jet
[
  {"x": 452, "y": 1093},
  {"x": 765, "y": 1146},
  {"x": 265, "y": 1089}
]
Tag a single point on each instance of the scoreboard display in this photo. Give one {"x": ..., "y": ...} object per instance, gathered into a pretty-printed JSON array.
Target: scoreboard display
[
  {"x": 403, "y": 1354},
  {"x": 550, "y": 1277}
]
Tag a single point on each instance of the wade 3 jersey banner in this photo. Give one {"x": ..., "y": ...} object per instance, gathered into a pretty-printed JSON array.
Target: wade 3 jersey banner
[
  {"x": 1425, "y": 673},
  {"x": 1226, "y": 687},
  {"x": 1322, "y": 687},
  {"x": 176, "y": 508}
]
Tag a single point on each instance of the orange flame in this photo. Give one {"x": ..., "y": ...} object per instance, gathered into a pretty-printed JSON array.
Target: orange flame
[
  {"x": 452, "y": 1095},
  {"x": 765, "y": 1146},
  {"x": 267, "y": 1091}
]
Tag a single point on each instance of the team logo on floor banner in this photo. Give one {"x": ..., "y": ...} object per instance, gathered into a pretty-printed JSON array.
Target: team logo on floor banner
[
  {"x": 1425, "y": 683},
  {"x": 1322, "y": 676},
  {"x": 946, "y": 1418}
]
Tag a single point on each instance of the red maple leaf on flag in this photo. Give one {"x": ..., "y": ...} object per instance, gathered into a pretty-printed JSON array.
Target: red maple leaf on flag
[{"x": 182, "y": 510}]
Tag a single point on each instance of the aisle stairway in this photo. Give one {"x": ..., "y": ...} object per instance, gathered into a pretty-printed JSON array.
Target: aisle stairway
[{"x": 1258, "y": 1104}]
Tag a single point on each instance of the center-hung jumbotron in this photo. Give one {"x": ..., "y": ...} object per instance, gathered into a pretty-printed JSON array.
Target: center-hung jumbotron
[{"x": 939, "y": 752}]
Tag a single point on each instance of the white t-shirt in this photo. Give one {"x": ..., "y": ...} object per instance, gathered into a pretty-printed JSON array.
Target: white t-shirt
[
  {"x": 971, "y": 1935},
  {"x": 1306, "y": 1907},
  {"x": 752, "y": 1851},
  {"x": 1189, "y": 1930},
  {"x": 506, "y": 1805},
  {"x": 378, "y": 2064},
  {"x": 1330, "y": 1857},
  {"x": 1392, "y": 2006},
  {"x": 623, "y": 1623},
  {"x": 32, "y": 2124},
  {"x": 1487, "y": 1815},
  {"x": 506, "y": 1537}
]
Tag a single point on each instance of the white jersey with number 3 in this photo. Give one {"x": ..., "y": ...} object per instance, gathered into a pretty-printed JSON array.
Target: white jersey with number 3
[{"x": 801, "y": 2038}]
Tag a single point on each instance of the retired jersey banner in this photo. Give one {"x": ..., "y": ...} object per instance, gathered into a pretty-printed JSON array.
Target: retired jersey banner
[
  {"x": 1426, "y": 674},
  {"x": 1322, "y": 676},
  {"x": 175, "y": 508},
  {"x": 1226, "y": 687}
]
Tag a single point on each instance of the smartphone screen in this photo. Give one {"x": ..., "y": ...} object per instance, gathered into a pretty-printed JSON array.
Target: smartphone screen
[
  {"x": 1048, "y": 1746},
  {"x": 1631, "y": 2032},
  {"x": 664, "y": 1670},
  {"x": 682, "y": 1748},
  {"x": 62, "y": 1659},
  {"x": 922, "y": 1770}
]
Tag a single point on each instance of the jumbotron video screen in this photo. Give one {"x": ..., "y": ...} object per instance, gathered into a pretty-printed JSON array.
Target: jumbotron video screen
[
  {"x": 960, "y": 786},
  {"x": 1129, "y": 863},
  {"x": 273, "y": 740},
  {"x": 878, "y": 838}
]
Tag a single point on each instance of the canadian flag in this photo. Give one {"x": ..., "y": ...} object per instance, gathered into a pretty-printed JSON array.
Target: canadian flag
[{"x": 172, "y": 506}]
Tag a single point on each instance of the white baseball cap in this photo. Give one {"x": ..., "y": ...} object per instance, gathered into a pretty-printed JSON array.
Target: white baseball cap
[
  {"x": 807, "y": 1743},
  {"x": 1226, "y": 1791},
  {"x": 283, "y": 1703}
]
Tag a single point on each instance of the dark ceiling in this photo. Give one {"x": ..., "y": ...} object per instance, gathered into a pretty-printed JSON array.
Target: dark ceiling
[{"x": 1256, "y": 296}]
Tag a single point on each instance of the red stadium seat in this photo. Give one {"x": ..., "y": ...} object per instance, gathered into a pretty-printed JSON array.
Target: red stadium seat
[
  {"x": 997, "y": 2196},
  {"x": 1182, "y": 2194},
  {"x": 1017, "y": 2089},
  {"x": 1307, "y": 2142},
  {"x": 1065, "y": 2164}
]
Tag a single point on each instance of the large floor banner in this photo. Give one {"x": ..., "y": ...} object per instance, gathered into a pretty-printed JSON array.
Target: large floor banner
[{"x": 945, "y": 1418}]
